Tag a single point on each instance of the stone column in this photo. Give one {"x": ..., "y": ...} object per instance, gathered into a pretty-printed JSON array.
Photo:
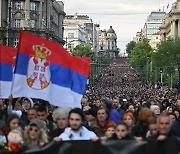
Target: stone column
[
  {"x": 40, "y": 15},
  {"x": 27, "y": 13},
  {"x": 178, "y": 32}
]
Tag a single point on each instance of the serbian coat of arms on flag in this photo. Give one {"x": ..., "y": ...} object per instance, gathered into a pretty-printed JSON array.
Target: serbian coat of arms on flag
[{"x": 38, "y": 73}]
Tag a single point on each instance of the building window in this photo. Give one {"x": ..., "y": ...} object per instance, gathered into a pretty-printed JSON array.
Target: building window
[
  {"x": 15, "y": 44},
  {"x": 32, "y": 23},
  {"x": 33, "y": 6},
  {"x": 19, "y": 5},
  {"x": 70, "y": 45},
  {"x": 18, "y": 23},
  {"x": 70, "y": 35}
]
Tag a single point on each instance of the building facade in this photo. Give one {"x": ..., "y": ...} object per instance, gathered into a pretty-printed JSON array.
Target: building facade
[
  {"x": 41, "y": 17},
  {"x": 152, "y": 24},
  {"x": 108, "y": 42},
  {"x": 80, "y": 29},
  {"x": 171, "y": 23}
]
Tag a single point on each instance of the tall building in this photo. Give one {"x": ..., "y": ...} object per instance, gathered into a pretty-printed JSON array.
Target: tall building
[
  {"x": 152, "y": 24},
  {"x": 43, "y": 18},
  {"x": 171, "y": 23},
  {"x": 79, "y": 29},
  {"x": 108, "y": 42}
]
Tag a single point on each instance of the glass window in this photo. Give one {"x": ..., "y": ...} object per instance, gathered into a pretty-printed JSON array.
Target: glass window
[
  {"x": 17, "y": 23},
  {"x": 33, "y": 6},
  {"x": 70, "y": 35},
  {"x": 19, "y": 5},
  {"x": 32, "y": 23},
  {"x": 15, "y": 44}
]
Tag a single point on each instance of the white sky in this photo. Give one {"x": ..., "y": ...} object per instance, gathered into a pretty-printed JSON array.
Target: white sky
[{"x": 126, "y": 17}]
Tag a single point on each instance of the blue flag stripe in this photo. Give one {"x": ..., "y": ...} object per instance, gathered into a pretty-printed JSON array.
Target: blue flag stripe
[{"x": 6, "y": 72}]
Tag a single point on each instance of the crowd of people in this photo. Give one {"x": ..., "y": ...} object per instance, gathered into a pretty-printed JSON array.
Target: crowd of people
[{"x": 117, "y": 106}]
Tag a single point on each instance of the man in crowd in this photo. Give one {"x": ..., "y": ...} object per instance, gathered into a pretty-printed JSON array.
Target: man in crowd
[{"x": 76, "y": 131}]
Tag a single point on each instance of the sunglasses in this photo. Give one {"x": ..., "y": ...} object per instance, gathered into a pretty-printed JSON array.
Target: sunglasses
[{"x": 33, "y": 129}]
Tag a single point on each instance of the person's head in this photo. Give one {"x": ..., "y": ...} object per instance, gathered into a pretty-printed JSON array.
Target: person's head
[
  {"x": 178, "y": 104},
  {"x": 102, "y": 114},
  {"x": 35, "y": 132},
  {"x": 129, "y": 119},
  {"x": 131, "y": 108},
  {"x": 31, "y": 114},
  {"x": 155, "y": 109},
  {"x": 12, "y": 122},
  {"x": 164, "y": 124},
  {"x": 144, "y": 114},
  {"x": 90, "y": 115},
  {"x": 84, "y": 101},
  {"x": 26, "y": 103},
  {"x": 76, "y": 118},
  {"x": 177, "y": 113},
  {"x": 42, "y": 113},
  {"x": 121, "y": 130},
  {"x": 18, "y": 105},
  {"x": 110, "y": 130},
  {"x": 152, "y": 124},
  {"x": 97, "y": 103},
  {"x": 169, "y": 109},
  {"x": 115, "y": 103},
  {"x": 60, "y": 116},
  {"x": 173, "y": 117}
]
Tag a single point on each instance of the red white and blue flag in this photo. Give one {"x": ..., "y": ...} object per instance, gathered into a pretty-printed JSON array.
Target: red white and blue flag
[
  {"x": 7, "y": 62},
  {"x": 45, "y": 70}
]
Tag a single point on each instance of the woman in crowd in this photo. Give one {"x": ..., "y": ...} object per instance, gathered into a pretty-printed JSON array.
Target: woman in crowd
[
  {"x": 109, "y": 131},
  {"x": 121, "y": 132},
  {"x": 129, "y": 119},
  {"x": 60, "y": 116},
  {"x": 35, "y": 134},
  {"x": 12, "y": 122}
]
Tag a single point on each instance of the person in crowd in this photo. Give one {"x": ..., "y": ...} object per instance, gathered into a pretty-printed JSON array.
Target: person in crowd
[
  {"x": 121, "y": 132},
  {"x": 176, "y": 111},
  {"x": 140, "y": 129},
  {"x": 101, "y": 122},
  {"x": 12, "y": 122},
  {"x": 129, "y": 119},
  {"x": 155, "y": 109},
  {"x": 76, "y": 130},
  {"x": 173, "y": 117},
  {"x": 109, "y": 132},
  {"x": 42, "y": 114},
  {"x": 60, "y": 116},
  {"x": 163, "y": 137},
  {"x": 31, "y": 114},
  {"x": 35, "y": 134},
  {"x": 90, "y": 116},
  {"x": 116, "y": 104},
  {"x": 152, "y": 124}
]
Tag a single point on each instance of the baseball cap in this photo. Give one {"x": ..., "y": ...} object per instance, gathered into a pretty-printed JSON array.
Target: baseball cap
[{"x": 40, "y": 124}]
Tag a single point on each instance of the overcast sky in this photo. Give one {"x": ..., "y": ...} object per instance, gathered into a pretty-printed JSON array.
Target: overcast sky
[{"x": 126, "y": 17}]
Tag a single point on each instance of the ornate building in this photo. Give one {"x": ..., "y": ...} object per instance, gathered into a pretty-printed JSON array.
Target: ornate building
[
  {"x": 171, "y": 22},
  {"x": 41, "y": 17},
  {"x": 107, "y": 42}
]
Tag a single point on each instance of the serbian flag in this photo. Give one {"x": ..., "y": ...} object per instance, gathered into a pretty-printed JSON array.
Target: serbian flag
[
  {"x": 7, "y": 62},
  {"x": 45, "y": 70}
]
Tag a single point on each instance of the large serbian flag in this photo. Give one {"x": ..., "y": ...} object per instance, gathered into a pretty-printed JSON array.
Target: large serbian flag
[
  {"x": 45, "y": 70},
  {"x": 7, "y": 61}
]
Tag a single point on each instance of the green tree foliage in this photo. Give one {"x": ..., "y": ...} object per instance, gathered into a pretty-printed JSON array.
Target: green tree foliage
[
  {"x": 167, "y": 55},
  {"x": 130, "y": 46},
  {"x": 83, "y": 50},
  {"x": 140, "y": 54}
]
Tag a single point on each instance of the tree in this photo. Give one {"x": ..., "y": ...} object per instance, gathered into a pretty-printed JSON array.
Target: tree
[
  {"x": 140, "y": 56},
  {"x": 130, "y": 46},
  {"x": 83, "y": 50},
  {"x": 168, "y": 55}
]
